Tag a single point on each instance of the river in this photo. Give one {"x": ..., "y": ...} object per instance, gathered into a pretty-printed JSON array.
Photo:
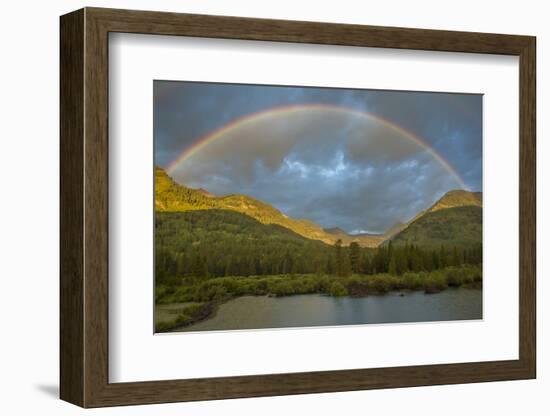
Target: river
[{"x": 255, "y": 312}]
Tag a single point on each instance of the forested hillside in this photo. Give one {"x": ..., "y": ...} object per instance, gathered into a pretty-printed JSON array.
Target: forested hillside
[
  {"x": 209, "y": 249},
  {"x": 215, "y": 243},
  {"x": 457, "y": 198},
  {"x": 173, "y": 197},
  {"x": 225, "y": 243},
  {"x": 459, "y": 226},
  {"x": 200, "y": 234}
]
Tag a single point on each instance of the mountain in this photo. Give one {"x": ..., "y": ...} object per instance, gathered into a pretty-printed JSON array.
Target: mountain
[
  {"x": 206, "y": 193},
  {"x": 365, "y": 239},
  {"x": 173, "y": 197},
  {"x": 457, "y": 198},
  {"x": 395, "y": 229},
  {"x": 234, "y": 244},
  {"x": 455, "y": 219}
]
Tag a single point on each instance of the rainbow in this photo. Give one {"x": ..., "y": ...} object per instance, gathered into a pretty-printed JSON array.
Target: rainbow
[{"x": 290, "y": 109}]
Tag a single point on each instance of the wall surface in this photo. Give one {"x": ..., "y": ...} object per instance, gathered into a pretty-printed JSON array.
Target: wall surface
[{"x": 29, "y": 224}]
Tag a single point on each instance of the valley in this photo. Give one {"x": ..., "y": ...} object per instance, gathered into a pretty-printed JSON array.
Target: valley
[{"x": 211, "y": 249}]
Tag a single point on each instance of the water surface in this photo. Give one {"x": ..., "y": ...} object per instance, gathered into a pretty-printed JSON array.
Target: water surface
[{"x": 254, "y": 312}]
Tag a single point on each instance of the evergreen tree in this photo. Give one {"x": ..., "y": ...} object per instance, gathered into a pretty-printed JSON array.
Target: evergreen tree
[
  {"x": 199, "y": 266},
  {"x": 320, "y": 267},
  {"x": 366, "y": 267},
  {"x": 331, "y": 265},
  {"x": 381, "y": 260},
  {"x": 392, "y": 268},
  {"x": 251, "y": 267},
  {"x": 238, "y": 246},
  {"x": 443, "y": 257},
  {"x": 401, "y": 261},
  {"x": 435, "y": 260},
  {"x": 386, "y": 256},
  {"x": 181, "y": 265},
  {"x": 228, "y": 270},
  {"x": 456, "y": 257},
  {"x": 427, "y": 261},
  {"x": 204, "y": 267},
  {"x": 416, "y": 260},
  {"x": 354, "y": 257},
  {"x": 346, "y": 266},
  {"x": 339, "y": 257}
]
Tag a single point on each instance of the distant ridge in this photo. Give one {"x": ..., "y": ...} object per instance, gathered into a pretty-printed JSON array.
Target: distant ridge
[
  {"x": 173, "y": 197},
  {"x": 457, "y": 198},
  {"x": 428, "y": 227},
  {"x": 206, "y": 193},
  {"x": 455, "y": 219}
]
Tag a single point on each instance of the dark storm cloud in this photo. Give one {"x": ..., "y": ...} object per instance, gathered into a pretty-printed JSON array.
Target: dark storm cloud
[{"x": 335, "y": 169}]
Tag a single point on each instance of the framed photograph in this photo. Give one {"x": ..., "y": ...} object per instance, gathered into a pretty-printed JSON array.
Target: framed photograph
[{"x": 256, "y": 207}]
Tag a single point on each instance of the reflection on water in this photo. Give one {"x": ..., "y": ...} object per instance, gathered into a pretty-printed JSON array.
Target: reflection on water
[{"x": 254, "y": 312}]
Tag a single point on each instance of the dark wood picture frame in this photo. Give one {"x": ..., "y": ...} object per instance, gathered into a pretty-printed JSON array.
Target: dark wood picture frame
[{"x": 84, "y": 207}]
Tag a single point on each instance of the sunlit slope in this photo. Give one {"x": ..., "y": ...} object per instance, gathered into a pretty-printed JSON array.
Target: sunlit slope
[
  {"x": 456, "y": 219},
  {"x": 173, "y": 197}
]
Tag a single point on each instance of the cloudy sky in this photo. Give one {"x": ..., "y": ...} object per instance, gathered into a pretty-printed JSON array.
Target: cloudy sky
[{"x": 342, "y": 158}]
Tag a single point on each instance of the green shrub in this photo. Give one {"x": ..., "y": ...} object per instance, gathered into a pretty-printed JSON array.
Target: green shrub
[
  {"x": 338, "y": 289},
  {"x": 454, "y": 277},
  {"x": 323, "y": 284},
  {"x": 435, "y": 282},
  {"x": 164, "y": 326},
  {"x": 477, "y": 275},
  {"x": 413, "y": 281},
  {"x": 182, "y": 319},
  {"x": 282, "y": 288},
  {"x": 464, "y": 275},
  {"x": 357, "y": 286},
  {"x": 380, "y": 283},
  {"x": 222, "y": 288},
  {"x": 262, "y": 287},
  {"x": 191, "y": 310}
]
